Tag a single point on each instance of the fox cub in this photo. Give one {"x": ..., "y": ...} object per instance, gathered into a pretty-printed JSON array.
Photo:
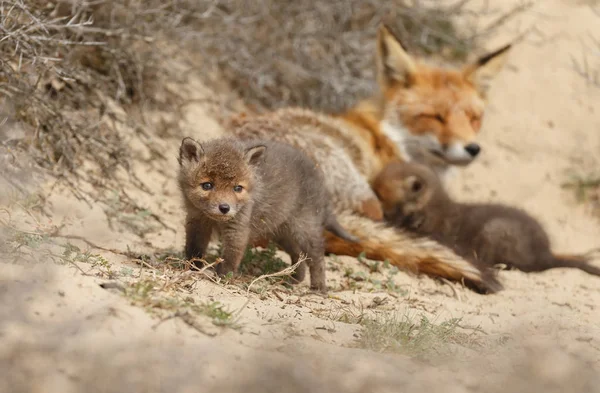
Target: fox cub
[
  {"x": 413, "y": 198},
  {"x": 248, "y": 191}
]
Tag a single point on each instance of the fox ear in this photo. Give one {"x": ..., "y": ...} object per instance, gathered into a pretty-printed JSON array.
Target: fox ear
[
  {"x": 394, "y": 64},
  {"x": 254, "y": 153},
  {"x": 482, "y": 71},
  {"x": 190, "y": 151}
]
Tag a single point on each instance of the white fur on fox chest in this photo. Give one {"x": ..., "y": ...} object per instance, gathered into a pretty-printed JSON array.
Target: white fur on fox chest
[{"x": 398, "y": 135}]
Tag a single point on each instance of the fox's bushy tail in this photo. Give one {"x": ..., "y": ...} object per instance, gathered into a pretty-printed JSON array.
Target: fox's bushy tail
[{"x": 414, "y": 254}]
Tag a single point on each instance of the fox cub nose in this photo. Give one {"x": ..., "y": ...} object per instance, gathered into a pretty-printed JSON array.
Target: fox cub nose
[
  {"x": 224, "y": 208},
  {"x": 473, "y": 149}
]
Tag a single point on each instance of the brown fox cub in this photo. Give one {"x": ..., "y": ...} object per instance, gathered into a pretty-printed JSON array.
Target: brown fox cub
[
  {"x": 414, "y": 198},
  {"x": 255, "y": 190}
]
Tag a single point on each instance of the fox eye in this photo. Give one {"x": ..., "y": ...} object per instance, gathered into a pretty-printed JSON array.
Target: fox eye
[
  {"x": 207, "y": 186},
  {"x": 416, "y": 186},
  {"x": 238, "y": 188}
]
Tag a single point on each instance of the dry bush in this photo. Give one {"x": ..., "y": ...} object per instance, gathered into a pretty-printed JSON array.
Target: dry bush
[
  {"x": 319, "y": 53},
  {"x": 61, "y": 63}
]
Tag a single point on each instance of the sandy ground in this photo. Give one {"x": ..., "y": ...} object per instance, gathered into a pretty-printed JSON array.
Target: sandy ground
[{"x": 542, "y": 122}]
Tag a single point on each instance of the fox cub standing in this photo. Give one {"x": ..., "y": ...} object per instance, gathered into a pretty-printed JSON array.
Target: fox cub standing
[
  {"x": 256, "y": 190},
  {"x": 414, "y": 198}
]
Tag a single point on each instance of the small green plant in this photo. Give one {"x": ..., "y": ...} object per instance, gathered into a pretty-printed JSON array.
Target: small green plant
[
  {"x": 374, "y": 266},
  {"x": 389, "y": 283},
  {"x": 150, "y": 294},
  {"x": 141, "y": 290},
  {"x": 72, "y": 254},
  {"x": 362, "y": 280},
  {"x": 104, "y": 265},
  {"x": 28, "y": 240},
  {"x": 586, "y": 190},
  {"x": 217, "y": 312},
  {"x": 348, "y": 272},
  {"x": 126, "y": 271},
  {"x": 583, "y": 186},
  {"x": 258, "y": 262},
  {"x": 334, "y": 263}
]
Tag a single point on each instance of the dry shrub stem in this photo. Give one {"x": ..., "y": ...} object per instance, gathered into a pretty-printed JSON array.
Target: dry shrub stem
[{"x": 60, "y": 66}]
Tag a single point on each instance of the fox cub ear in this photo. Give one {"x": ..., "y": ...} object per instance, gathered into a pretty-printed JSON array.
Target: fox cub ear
[
  {"x": 253, "y": 154},
  {"x": 190, "y": 151}
]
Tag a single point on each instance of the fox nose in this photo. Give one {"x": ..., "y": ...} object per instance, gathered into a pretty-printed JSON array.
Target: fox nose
[
  {"x": 473, "y": 149},
  {"x": 224, "y": 208}
]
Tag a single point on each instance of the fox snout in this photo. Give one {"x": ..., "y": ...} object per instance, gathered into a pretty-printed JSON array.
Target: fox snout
[
  {"x": 473, "y": 149},
  {"x": 222, "y": 210},
  {"x": 458, "y": 153}
]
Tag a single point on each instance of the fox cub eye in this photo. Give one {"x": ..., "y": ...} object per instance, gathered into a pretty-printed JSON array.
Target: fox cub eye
[
  {"x": 416, "y": 186},
  {"x": 207, "y": 186},
  {"x": 238, "y": 188}
]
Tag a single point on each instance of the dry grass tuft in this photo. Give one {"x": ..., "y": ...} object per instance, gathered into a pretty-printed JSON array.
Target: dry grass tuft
[
  {"x": 59, "y": 65},
  {"x": 423, "y": 339},
  {"x": 586, "y": 190},
  {"x": 74, "y": 75}
]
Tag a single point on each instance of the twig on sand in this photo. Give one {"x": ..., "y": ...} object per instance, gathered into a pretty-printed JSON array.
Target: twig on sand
[
  {"x": 452, "y": 286},
  {"x": 285, "y": 272},
  {"x": 94, "y": 245}
]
